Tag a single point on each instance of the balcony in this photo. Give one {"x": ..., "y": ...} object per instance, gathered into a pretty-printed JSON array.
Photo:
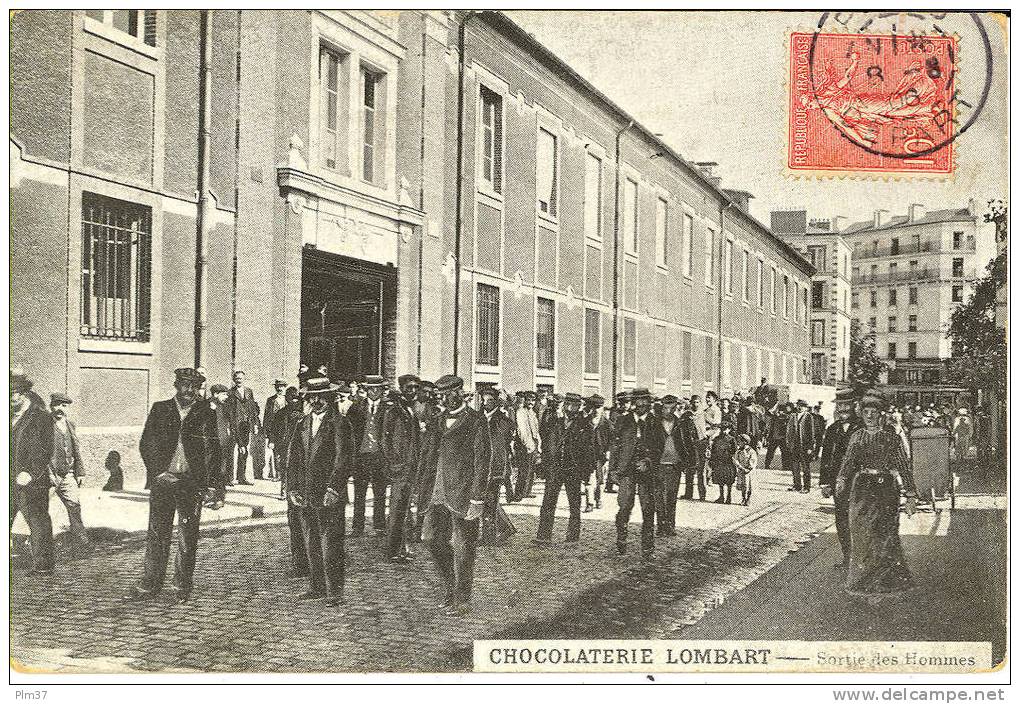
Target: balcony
[
  {"x": 915, "y": 275},
  {"x": 911, "y": 248}
]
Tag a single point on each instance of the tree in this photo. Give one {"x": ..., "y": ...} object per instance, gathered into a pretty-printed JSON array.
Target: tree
[
  {"x": 865, "y": 366},
  {"x": 979, "y": 344}
]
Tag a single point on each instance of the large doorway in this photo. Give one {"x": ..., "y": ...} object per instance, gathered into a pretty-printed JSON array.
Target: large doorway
[{"x": 347, "y": 309}]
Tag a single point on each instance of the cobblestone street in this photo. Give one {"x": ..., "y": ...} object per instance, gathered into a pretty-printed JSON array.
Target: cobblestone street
[{"x": 244, "y": 617}]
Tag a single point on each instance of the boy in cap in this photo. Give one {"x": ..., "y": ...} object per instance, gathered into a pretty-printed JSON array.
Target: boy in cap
[
  {"x": 181, "y": 451},
  {"x": 745, "y": 460}
]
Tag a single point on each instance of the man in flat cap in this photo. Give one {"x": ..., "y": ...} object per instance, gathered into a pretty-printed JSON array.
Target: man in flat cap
[
  {"x": 455, "y": 473},
  {"x": 274, "y": 404},
  {"x": 569, "y": 459},
  {"x": 225, "y": 434},
  {"x": 834, "y": 444},
  {"x": 528, "y": 445},
  {"x": 602, "y": 435},
  {"x": 634, "y": 464},
  {"x": 318, "y": 467},
  {"x": 181, "y": 450},
  {"x": 31, "y": 452},
  {"x": 673, "y": 441},
  {"x": 366, "y": 416},
  {"x": 402, "y": 448},
  {"x": 66, "y": 470}
]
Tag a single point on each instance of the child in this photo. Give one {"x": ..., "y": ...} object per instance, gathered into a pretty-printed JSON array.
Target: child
[
  {"x": 720, "y": 461},
  {"x": 116, "y": 480},
  {"x": 744, "y": 461}
]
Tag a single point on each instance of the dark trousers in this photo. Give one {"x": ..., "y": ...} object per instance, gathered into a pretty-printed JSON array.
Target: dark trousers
[
  {"x": 668, "y": 486},
  {"x": 452, "y": 542},
  {"x": 369, "y": 469},
  {"x": 218, "y": 482},
  {"x": 298, "y": 551},
  {"x": 770, "y": 452},
  {"x": 164, "y": 502},
  {"x": 323, "y": 530},
  {"x": 496, "y": 525},
  {"x": 697, "y": 471},
  {"x": 34, "y": 503},
  {"x": 800, "y": 465},
  {"x": 396, "y": 527},
  {"x": 644, "y": 489},
  {"x": 525, "y": 476},
  {"x": 555, "y": 481}
]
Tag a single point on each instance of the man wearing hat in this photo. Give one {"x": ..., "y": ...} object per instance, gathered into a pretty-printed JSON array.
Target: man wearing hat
[
  {"x": 693, "y": 420},
  {"x": 633, "y": 462},
  {"x": 225, "y": 434},
  {"x": 800, "y": 447},
  {"x": 496, "y": 524},
  {"x": 402, "y": 448},
  {"x": 366, "y": 417},
  {"x": 834, "y": 444},
  {"x": 275, "y": 403},
  {"x": 318, "y": 466},
  {"x": 282, "y": 430},
  {"x": 66, "y": 470},
  {"x": 549, "y": 415},
  {"x": 31, "y": 452},
  {"x": 569, "y": 459},
  {"x": 602, "y": 434},
  {"x": 621, "y": 407},
  {"x": 181, "y": 451},
  {"x": 455, "y": 474},
  {"x": 528, "y": 447},
  {"x": 673, "y": 442}
]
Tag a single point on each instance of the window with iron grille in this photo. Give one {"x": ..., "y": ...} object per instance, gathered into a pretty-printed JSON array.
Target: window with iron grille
[
  {"x": 492, "y": 139},
  {"x": 140, "y": 24},
  {"x": 629, "y": 347},
  {"x": 116, "y": 268},
  {"x": 545, "y": 334},
  {"x": 592, "y": 340},
  {"x": 488, "y": 325}
]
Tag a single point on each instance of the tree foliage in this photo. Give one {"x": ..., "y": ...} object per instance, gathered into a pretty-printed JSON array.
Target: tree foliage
[
  {"x": 865, "y": 366},
  {"x": 979, "y": 343}
]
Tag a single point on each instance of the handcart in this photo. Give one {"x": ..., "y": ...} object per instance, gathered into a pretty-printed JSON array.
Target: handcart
[{"x": 933, "y": 471}]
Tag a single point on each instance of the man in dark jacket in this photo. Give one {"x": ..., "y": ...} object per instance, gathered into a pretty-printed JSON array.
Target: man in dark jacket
[
  {"x": 274, "y": 404},
  {"x": 776, "y": 433},
  {"x": 634, "y": 464},
  {"x": 244, "y": 411},
  {"x": 455, "y": 474},
  {"x": 496, "y": 524},
  {"x": 621, "y": 407},
  {"x": 834, "y": 444},
  {"x": 569, "y": 458},
  {"x": 225, "y": 435},
  {"x": 602, "y": 432},
  {"x": 800, "y": 447},
  {"x": 694, "y": 420},
  {"x": 673, "y": 440},
  {"x": 402, "y": 448},
  {"x": 318, "y": 466},
  {"x": 281, "y": 431},
  {"x": 366, "y": 417},
  {"x": 181, "y": 450},
  {"x": 31, "y": 451}
]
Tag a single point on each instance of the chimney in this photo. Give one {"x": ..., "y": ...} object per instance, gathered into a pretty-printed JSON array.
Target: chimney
[
  {"x": 708, "y": 169},
  {"x": 916, "y": 212},
  {"x": 972, "y": 206},
  {"x": 741, "y": 198},
  {"x": 881, "y": 218},
  {"x": 839, "y": 222}
]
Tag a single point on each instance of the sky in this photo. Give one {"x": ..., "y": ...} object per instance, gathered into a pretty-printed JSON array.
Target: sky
[{"x": 714, "y": 85}]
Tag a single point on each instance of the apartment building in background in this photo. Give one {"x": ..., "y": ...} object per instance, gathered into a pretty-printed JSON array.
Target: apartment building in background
[
  {"x": 278, "y": 187},
  {"x": 820, "y": 242}
]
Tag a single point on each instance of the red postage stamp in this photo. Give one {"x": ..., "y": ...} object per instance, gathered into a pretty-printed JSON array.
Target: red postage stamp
[{"x": 872, "y": 103}]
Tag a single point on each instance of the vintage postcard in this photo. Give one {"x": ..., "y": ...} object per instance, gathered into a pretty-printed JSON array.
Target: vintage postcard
[{"x": 508, "y": 345}]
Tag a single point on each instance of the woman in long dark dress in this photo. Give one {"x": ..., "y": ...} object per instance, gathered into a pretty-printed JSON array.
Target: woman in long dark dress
[{"x": 873, "y": 461}]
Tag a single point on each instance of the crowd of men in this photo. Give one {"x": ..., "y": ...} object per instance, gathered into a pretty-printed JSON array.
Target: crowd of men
[{"x": 441, "y": 463}]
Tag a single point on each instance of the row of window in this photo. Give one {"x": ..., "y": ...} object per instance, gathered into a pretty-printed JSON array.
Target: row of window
[
  {"x": 911, "y": 350},
  {"x": 956, "y": 296},
  {"x": 487, "y": 348},
  {"x": 892, "y": 323},
  {"x": 490, "y": 165},
  {"x": 912, "y": 270},
  {"x": 913, "y": 245}
]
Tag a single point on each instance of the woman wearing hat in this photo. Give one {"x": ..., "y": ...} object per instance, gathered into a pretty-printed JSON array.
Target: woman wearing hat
[{"x": 873, "y": 468}]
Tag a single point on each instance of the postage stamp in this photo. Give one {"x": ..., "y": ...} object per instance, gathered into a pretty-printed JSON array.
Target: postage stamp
[{"x": 872, "y": 103}]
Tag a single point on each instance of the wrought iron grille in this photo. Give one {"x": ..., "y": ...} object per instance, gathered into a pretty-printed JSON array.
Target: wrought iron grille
[{"x": 116, "y": 269}]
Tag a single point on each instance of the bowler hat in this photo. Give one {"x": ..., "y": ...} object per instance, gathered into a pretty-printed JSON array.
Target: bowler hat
[
  {"x": 20, "y": 381},
  {"x": 318, "y": 385},
  {"x": 373, "y": 380},
  {"x": 640, "y": 393},
  {"x": 59, "y": 397},
  {"x": 622, "y": 395},
  {"x": 596, "y": 401},
  {"x": 449, "y": 382},
  {"x": 571, "y": 397}
]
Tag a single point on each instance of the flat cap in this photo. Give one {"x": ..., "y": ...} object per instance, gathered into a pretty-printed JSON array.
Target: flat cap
[
  {"x": 428, "y": 384},
  {"x": 189, "y": 374},
  {"x": 218, "y": 389},
  {"x": 571, "y": 397},
  {"x": 669, "y": 398},
  {"x": 622, "y": 395},
  {"x": 596, "y": 401},
  {"x": 449, "y": 382},
  {"x": 59, "y": 397},
  {"x": 487, "y": 391},
  {"x": 407, "y": 379}
]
